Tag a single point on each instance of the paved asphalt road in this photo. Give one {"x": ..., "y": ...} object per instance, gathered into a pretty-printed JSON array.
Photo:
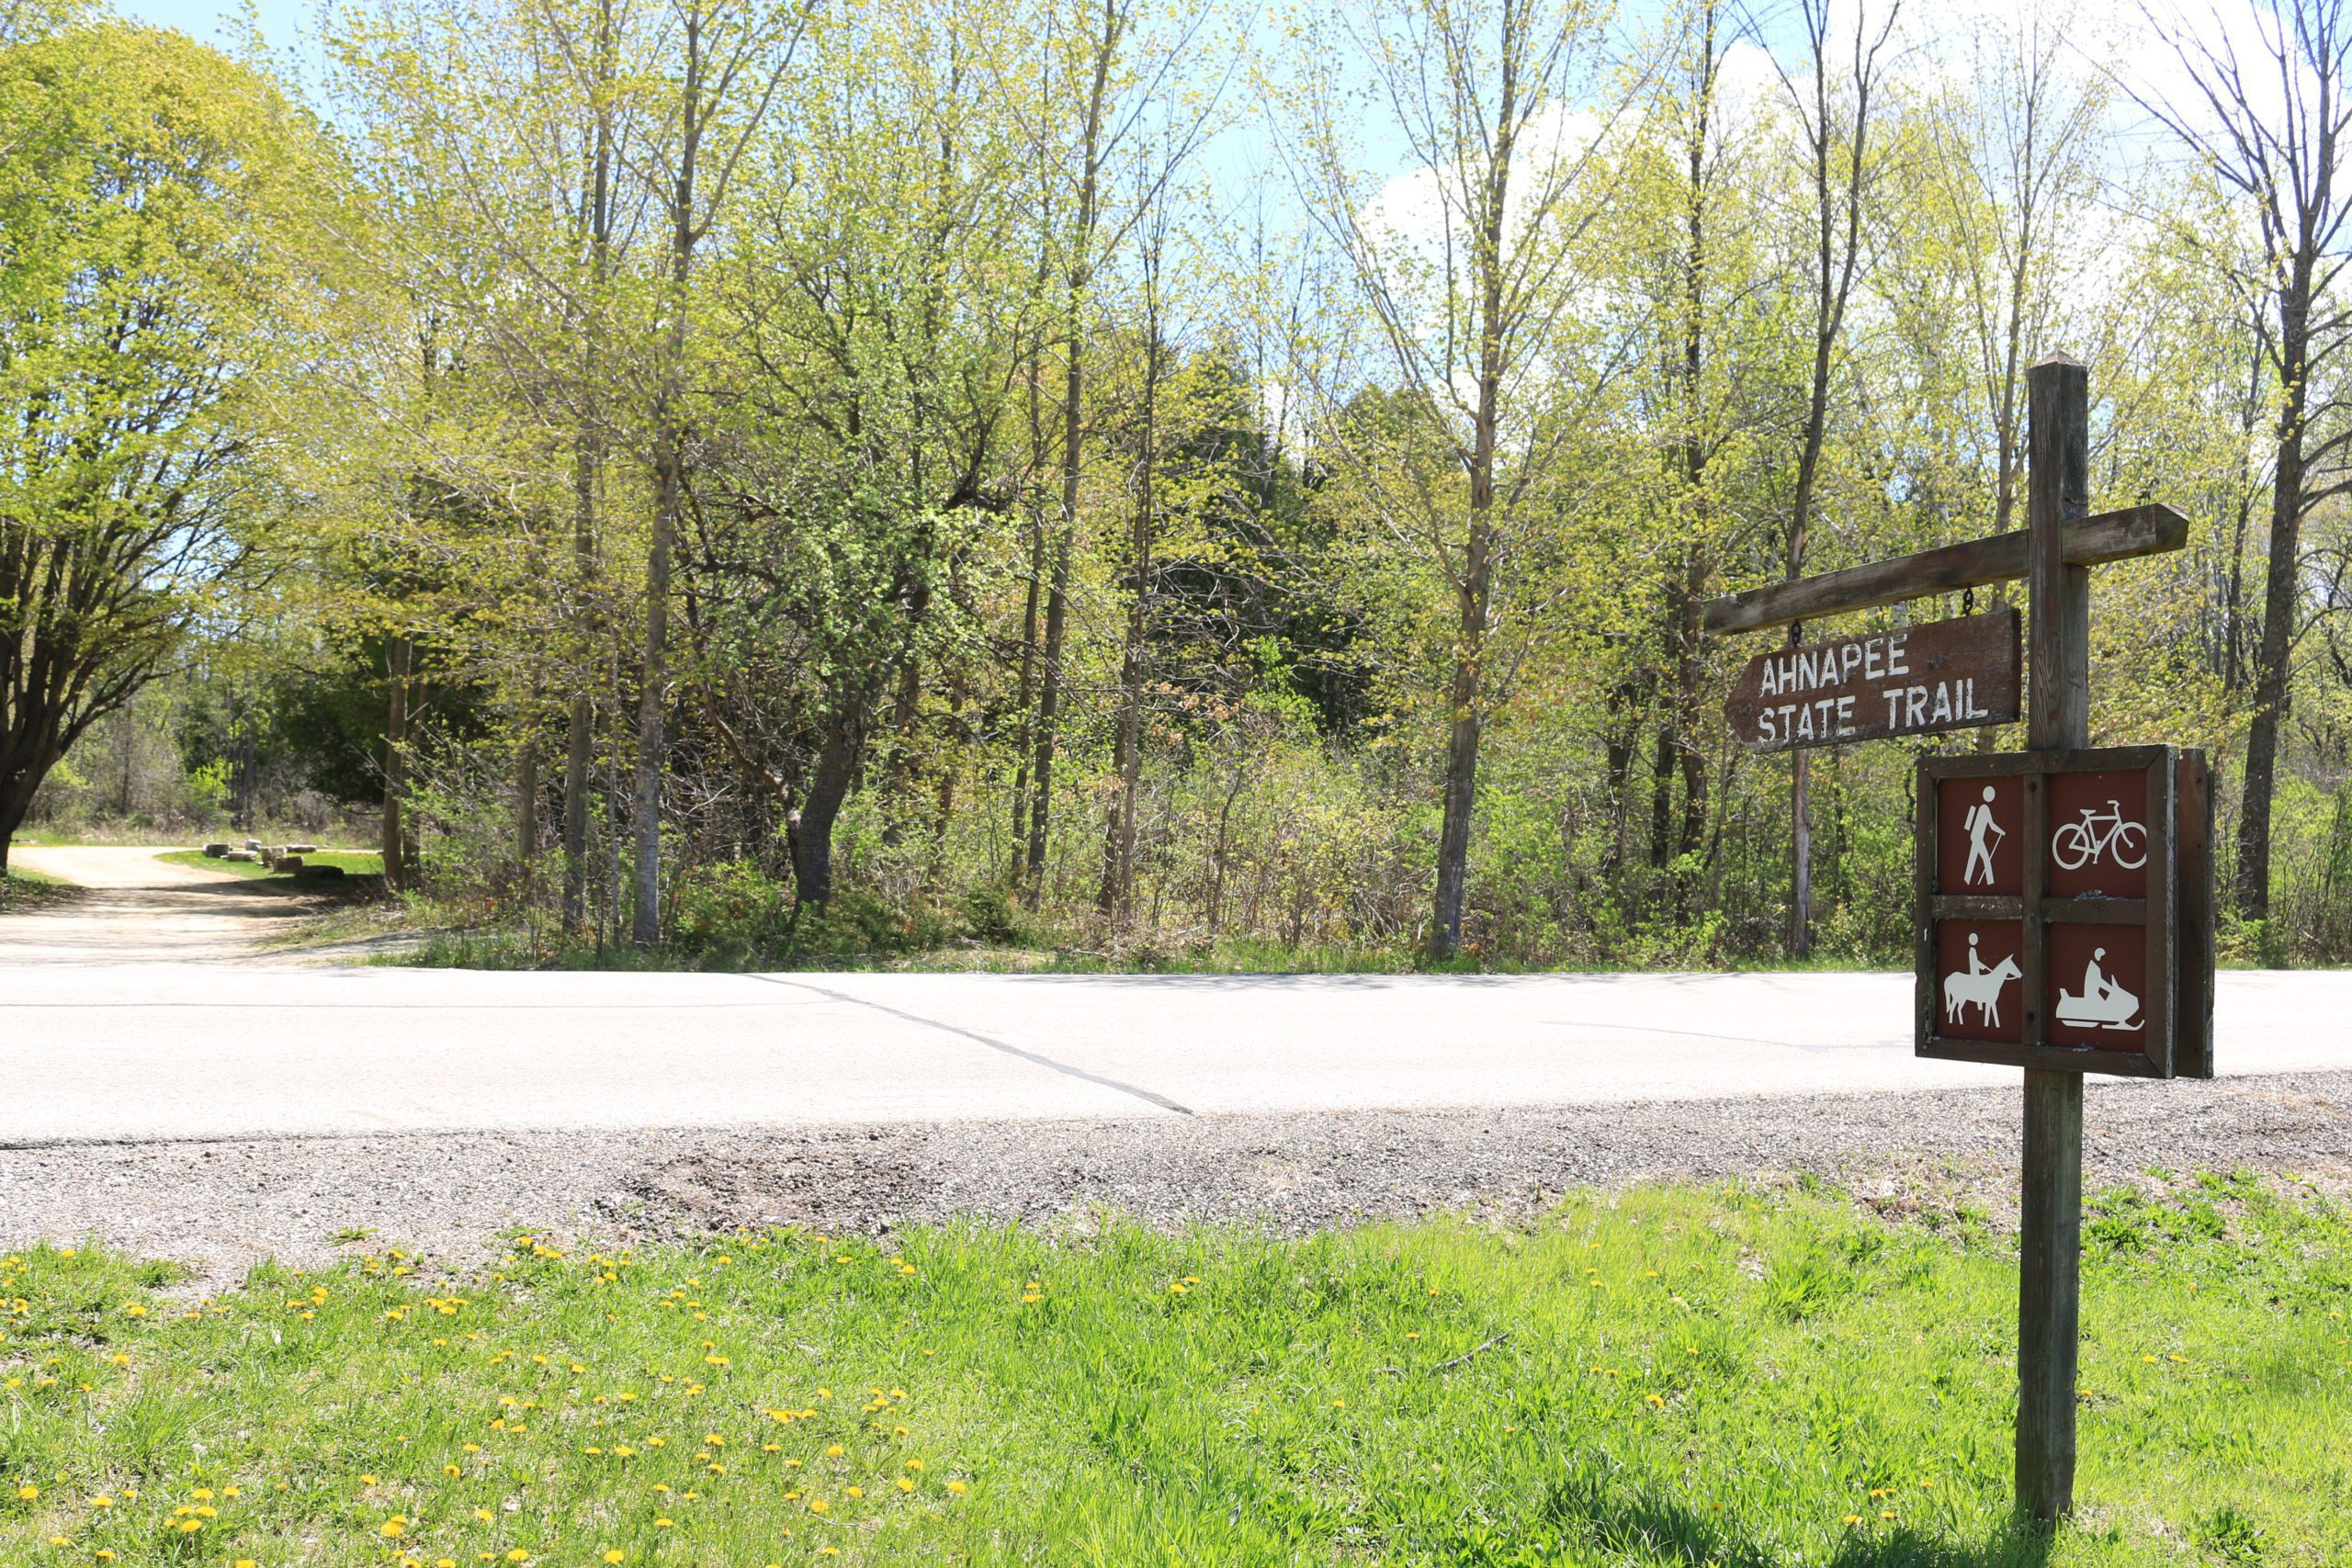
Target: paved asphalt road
[{"x": 176, "y": 1051}]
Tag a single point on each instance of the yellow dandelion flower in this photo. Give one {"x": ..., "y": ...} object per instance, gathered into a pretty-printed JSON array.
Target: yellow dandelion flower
[
  {"x": 832, "y": 1450},
  {"x": 617, "y": 1555},
  {"x": 854, "y": 1492},
  {"x": 392, "y": 1526},
  {"x": 518, "y": 1555},
  {"x": 958, "y": 1487},
  {"x": 906, "y": 1483},
  {"x": 819, "y": 1505},
  {"x": 664, "y": 1524}
]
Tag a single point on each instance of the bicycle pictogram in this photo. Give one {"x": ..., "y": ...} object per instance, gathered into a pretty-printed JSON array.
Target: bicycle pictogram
[{"x": 2086, "y": 842}]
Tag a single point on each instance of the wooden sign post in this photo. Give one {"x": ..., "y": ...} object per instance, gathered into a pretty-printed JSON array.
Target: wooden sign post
[
  {"x": 2077, "y": 882},
  {"x": 2050, "y": 1214}
]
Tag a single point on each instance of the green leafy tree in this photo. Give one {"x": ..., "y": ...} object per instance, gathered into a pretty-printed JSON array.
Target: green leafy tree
[{"x": 144, "y": 179}]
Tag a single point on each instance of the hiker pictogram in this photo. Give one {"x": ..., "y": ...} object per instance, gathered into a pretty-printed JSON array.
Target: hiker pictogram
[{"x": 1983, "y": 834}]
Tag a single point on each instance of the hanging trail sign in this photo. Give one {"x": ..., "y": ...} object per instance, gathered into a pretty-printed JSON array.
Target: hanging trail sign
[{"x": 1917, "y": 681}]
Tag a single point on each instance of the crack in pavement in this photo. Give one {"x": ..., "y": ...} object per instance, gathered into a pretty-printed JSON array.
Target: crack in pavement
[{"x": 1062, "y": 1067}]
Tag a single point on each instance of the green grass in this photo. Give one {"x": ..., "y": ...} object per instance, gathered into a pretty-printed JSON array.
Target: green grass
[
  {"x": 453, "y": 945},
  {"x": 1665, "y": 1377},
  {"x": 352, "y": 864}
]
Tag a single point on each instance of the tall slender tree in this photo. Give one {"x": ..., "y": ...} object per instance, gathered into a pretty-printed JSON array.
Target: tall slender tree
[
  {"x": 1834, "y": 105},
  {"x": 1463, "y": 294},
  {"x": 2271, "y": 126},
  {"x": 731, "y": 59}
]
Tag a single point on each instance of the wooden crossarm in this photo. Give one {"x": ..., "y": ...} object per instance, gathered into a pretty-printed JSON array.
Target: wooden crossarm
[{"x": 2145, "y": 530}]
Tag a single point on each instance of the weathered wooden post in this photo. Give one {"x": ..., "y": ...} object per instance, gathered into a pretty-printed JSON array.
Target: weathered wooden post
[{"x": 2058, "y": 719}]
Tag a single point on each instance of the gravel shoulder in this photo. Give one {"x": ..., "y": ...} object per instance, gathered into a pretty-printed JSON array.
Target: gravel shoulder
[{"x": 222, "y": 1206}]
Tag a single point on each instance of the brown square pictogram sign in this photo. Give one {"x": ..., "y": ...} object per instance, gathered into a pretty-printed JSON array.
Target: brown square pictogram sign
[{"x": 2062, "y": 918}]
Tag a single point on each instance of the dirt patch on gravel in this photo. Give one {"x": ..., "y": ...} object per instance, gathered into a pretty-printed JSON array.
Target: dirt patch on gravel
[{"x": 222, "y": 1206}]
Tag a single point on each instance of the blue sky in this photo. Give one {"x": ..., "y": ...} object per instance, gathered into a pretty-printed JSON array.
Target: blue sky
[{"x": 201, "y": 19}]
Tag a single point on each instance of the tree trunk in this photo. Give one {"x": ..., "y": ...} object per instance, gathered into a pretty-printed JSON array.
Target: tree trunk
[
  {"x": 1835, "y": 264},
  {"x": 1024, "y": 692},
  {"x": 1700, "y": 508},
  {"x": 1689, "y": 669},
  {"x": 1475, "y": 589},
  {"x": 579, "y": 746},
  {"x": 653, "y": 707},
  {"x": 1801, "y": 839},
  {"x": 1622, "y": 723},
  {"x": 401, "y": 654},
  {"x": 17, "y": 788},
  {"x": 669, "y": 500},
  {"x": 810, "y": 830},
  {"x": 1049, "y": 695},
  {"x": 1116, "y": 899},
  {"x": 527, "y": 814},
  {"x": 2282, "y": 593},
  {"x": 588, "y": 450},
  {"x": 1080, "y": 275},
  {"x": 1662, "y": 799}
]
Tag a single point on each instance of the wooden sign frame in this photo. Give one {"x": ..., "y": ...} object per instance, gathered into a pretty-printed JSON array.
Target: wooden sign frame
[{"x": 2175, "y": 917}]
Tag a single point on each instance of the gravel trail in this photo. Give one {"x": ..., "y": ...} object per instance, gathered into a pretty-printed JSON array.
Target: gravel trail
[
  {"x": 141, "y": 909},
  {"x": 222, "y": 1206}
]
